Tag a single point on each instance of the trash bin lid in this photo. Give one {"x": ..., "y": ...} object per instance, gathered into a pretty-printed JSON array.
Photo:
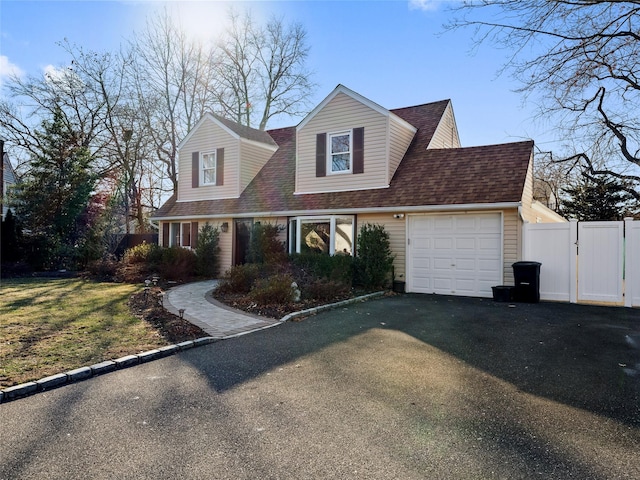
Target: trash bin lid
[{"x": 526, "y": 264}]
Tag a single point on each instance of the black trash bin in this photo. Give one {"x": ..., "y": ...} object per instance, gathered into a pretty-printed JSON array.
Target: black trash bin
[{"x": 527, "y": 280}]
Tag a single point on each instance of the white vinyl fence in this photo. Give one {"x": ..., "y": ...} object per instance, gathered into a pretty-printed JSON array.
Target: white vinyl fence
[{"x": 594, "y": 262}]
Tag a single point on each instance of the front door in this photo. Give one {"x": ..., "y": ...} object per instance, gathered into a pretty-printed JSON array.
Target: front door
[{"x": 243, "y": 229}]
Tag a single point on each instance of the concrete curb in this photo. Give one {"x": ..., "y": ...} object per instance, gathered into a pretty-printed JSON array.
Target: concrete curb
[
  {"x": 83, "y": 373},
  {"x": 54, "y": 381},
  {"x": 322, "y": 308}
]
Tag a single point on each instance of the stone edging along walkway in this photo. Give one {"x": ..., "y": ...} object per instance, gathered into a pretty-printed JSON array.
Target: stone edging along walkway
[{"x": 54, "y": 381}]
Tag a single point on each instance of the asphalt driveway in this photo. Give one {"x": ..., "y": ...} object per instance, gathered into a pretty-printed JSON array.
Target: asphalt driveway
[{"x": 407, "y": 387}]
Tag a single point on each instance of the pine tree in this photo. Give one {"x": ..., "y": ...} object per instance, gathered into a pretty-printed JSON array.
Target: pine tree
[
  {"x": 595, "y": 198},
  {"x": 56, "y": 192}
]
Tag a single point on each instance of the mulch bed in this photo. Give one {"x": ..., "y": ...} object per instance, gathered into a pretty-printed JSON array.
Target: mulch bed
[
  {"x": 171, "y": 327},
  {"x": 277, "y": 311}
]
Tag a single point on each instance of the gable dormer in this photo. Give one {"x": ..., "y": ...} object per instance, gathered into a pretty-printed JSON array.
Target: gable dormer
[
  {"x": 218, "y": 158},
  {"x": 446, "y": 133},
  {"x": 349, "y": 143}
]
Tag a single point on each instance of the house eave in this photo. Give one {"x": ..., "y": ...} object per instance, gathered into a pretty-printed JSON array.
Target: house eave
[{"x": 461, "y": 208}]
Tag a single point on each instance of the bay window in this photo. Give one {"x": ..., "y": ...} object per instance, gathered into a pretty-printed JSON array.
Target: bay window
[{"x": 325, "y": 235}]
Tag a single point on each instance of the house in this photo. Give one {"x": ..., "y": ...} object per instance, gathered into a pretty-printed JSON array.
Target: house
[
  {"x": 8, "y": 178},
  {"x": 454, "y": 214}
]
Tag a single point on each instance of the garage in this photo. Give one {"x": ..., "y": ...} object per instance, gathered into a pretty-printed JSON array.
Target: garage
[{"x": 454, "y": 254}]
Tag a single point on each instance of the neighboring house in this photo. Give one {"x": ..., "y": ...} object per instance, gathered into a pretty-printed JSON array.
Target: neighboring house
[
  {"x": 454, "y": 215},
  {"x": 9, "y": 178}
]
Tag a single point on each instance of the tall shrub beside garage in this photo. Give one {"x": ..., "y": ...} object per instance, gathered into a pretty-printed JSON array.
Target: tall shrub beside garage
[{"x": 374, "y": 257}]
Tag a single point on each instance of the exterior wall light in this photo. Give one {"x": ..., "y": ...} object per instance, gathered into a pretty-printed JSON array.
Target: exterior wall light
[{"x": 224, "y": 227}]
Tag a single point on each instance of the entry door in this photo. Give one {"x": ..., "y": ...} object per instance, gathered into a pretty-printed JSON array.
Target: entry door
[
  {"x": 242, "y": 233},
  {"x": 455, "y": 254}
]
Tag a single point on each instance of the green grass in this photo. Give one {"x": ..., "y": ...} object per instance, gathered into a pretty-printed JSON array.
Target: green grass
[{"x": 49, "y": 326}]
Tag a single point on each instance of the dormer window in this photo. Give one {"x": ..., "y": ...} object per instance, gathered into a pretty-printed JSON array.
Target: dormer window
[
  {"x": 340, "y": 152},
  {"x": 208, "y": 168}
]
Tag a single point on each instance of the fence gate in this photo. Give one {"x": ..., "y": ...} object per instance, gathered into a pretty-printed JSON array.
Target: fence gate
[
  {"x": 600, "y": 261},
  {"x": 595, "y": 262}
]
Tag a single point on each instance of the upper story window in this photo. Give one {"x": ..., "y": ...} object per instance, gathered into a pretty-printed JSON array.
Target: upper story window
[
  {"x": 340, "y": 152},
  {"x": 208, "y": 168}
]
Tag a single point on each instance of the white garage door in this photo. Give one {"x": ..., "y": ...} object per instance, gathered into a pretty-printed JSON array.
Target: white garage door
[{"x": 455, "y": 254}]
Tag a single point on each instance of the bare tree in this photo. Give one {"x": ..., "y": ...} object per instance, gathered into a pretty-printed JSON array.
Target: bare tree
[
  {"x": 175, "y": 83},
  {"x": 67, "y": 91},
  {"x": 262, "y": 70},
  {"x": 91, "y": 96},
  {"x": 581, "y": 59}
]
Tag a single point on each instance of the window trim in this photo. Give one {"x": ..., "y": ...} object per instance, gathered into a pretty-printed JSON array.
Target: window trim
[
  {"x": 330, "y": 154},
  {"x": 295, "y": 232},
  {"x": 213, "y": 152}
]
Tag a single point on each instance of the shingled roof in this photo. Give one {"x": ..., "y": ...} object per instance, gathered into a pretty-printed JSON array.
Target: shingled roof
[
  {"x": 246, "y": 132},
  {"x": 426, "y": 177}
]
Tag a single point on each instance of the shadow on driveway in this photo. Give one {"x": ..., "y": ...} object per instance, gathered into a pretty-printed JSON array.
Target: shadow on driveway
[
  {"x": 407, "y": 387},
  {"x": 582, "y": 356}
]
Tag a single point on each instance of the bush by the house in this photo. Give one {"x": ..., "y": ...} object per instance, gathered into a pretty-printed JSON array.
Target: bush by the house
[
  {"x": 374, "y": 258},
  {"x": 142, "y": 261},
  {"x": 104, "y": 268},
  {"x": 178, "y": 264},
  {"x": 338, "y": 268},
  {"x": 208, "y": 251},
  {"x": 265, "y": 245},
  {"x": 239, "y": 279},
  {"x": 325, "y": 290},
  {"x": 273, "y": 290},
  {"x": 149, "y": 253}
]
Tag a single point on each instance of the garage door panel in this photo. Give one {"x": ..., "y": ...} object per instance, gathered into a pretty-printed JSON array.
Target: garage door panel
[
  {"x": 490, "y": 224},
  {"x": 465, "y": 287},
  {"x": 465, "y": 243},
  {"x": 489, "y": 265},
  {"x": 440, "y": 243},
  {"x": 442, "y": 284},
  {"x": 442, "y": 263},
  {"x": 455, "y": 254},
  {"x": 441, "y": 223},
  {"x": 465, "y": 224},
  {"x": 489, "y": 245},
  {"x": 423, "y": 285}
]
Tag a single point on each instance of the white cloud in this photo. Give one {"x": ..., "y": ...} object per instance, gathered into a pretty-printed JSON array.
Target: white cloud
[
  {"x": 424, "y": 5},
  {"x": 62, "y": 77},
  {"x": 8, "y": 69},
  {"x": 54, "y": 74}
]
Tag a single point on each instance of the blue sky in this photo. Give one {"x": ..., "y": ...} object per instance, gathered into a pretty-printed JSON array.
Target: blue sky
[{"x": 393, "y": 52}]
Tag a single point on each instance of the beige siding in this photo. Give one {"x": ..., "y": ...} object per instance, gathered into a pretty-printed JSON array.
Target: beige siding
[
  {"x": 252, "y": 159},
  {"x": 397, "y": 230},
  {"x": 400, "y": 139},
  {"x": 527, "y": 196},
  {"x": 208, "y": 138},
  {"x": 226, "y": 244},
  {"x": 446, "y": 134},
  {"x": 544, "y": 214},
  {"x": 343, "y": 113},
  {"x": 512, "y": 239}
]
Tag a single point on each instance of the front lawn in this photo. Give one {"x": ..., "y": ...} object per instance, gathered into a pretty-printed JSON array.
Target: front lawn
[{"x": 50, "y": 326}]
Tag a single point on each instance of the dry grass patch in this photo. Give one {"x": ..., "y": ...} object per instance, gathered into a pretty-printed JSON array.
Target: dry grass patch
[{"x": 50, "y": 326}]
